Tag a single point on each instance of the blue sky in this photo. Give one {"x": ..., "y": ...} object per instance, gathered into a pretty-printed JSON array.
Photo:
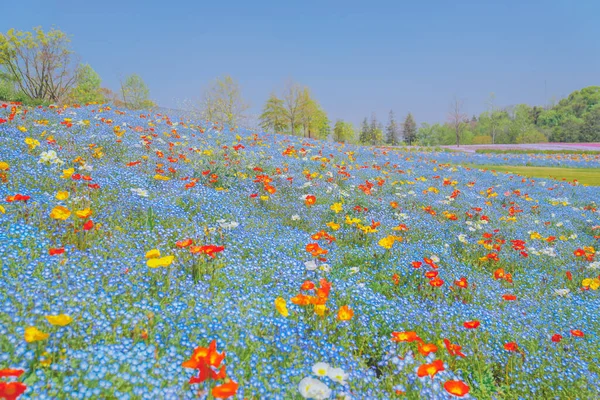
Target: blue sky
[{"x": 357, "y": 57}]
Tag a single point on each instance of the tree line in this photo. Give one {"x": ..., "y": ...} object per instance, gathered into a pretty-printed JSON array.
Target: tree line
[{"x": 39, "y": 67}]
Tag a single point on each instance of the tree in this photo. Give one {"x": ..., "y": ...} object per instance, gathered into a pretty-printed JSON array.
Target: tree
[
  {"x": 456, "y": 118},
  {"x": 295, "y": 110},
  {"x": 223, "y": 103},
  {"x": 391, "y": 137},
  {"x": 493, "y": 115},
  {"x": 364, "y": 136},
  {"x": 41, "y": 63},
  {"x": 292, "y": 105},
  {"x": 590, "y": 130},
  {"x": 375, "y": 131},
  {"x": 136, "y": 94},
  {"x": 87, "y": 89},
  {"x": 343, "y": 131},
  {"x": 409, "y": 129},
  {"x": 273, "y": 116}
]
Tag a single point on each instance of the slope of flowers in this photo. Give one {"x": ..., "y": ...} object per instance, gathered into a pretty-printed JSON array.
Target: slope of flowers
[{"x": 148, "y": 257}]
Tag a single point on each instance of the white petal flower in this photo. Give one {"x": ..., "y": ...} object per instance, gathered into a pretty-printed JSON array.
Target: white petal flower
[
  {"x": 310, "y": 265},
  {"x": 320, "y": 369},
  {"x": 338, "y": 375},
  {"x": 311, "y": 388}
]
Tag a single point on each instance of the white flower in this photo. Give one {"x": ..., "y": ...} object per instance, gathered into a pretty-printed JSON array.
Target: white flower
[
  {"x": 295, "y": 217},
  {"x": 311, "y": 388},
  {"x": 435, "y": 259},
  {"x": 354, "y": 270},
  {"x": 325, "y": 267},
  {"x": 140, "y": 192},
  {"x": 228, "y": 225},
  {"x": 86, "y": 167},
  {"x": 338, "y": 375},
  {"x": 320, "y": 369},
  {"x": 310, "y": 265},
  {"x": 594, "y": 265},
  {"x": 463, "y": 238},
  {"x": 562, "y": 292}
]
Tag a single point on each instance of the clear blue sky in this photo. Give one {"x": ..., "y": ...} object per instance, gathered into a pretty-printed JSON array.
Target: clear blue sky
[{"x": 357, "y": 57}]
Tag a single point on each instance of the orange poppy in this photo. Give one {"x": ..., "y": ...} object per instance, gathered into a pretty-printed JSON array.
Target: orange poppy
[
  {"x": 345, "y": 313},
  {"x": 430, "y": 369},
  {"x": 408, "y": 336},
  {"x": 310, "y": 200},
  {"x": 427, "y": 348},
  {"x": 307, "y": 285},
  {"x": 56, "y": 251},
  {"x": 577, "y": 333},
  {"x": 457, "y": 388},
  {"x": 184, "y": 243},
  {"x": 471, "y": 324},
  {"x": 225, "y": 390}
]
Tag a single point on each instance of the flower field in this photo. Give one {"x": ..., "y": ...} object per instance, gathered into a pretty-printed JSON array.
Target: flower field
[{"x": 143, "y": 257}]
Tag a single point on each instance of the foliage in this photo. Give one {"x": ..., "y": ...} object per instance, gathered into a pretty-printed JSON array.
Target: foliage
[
  {"x": 295, "y": 111},
  {"x": 409, "y": 129},
  {"x": 223, "y": 103},
  {"x": 392, "y": 131},
  {"x": 87, "y": 88},
  {"x": 40, "y": 63},
  {"x": 343, "y": 132},
  {"x": 136, "y": 94}
]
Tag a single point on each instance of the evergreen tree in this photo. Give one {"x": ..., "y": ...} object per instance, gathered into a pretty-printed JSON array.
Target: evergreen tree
[
  {"x": 392, "y": 131},
  {"x": 375, "y": 131},
  {"x": 409, "y": 129},
  {"x": 364, "y": 137}
]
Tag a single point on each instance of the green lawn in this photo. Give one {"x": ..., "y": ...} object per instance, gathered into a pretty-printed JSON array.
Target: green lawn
[{"x": 589, "y": 176}]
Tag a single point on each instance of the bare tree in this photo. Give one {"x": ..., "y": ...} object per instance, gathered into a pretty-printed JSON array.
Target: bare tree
[
  {"x": 40, "y": 63},
  {"x": 222, "y": 102},
  {"x": 293, "y": 102},
  {"x": 456, "y": 118}
]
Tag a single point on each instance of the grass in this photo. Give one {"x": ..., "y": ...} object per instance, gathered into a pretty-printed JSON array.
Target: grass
[
  {"x": 534, "y": 151},
  {"x": 588, "y": 176}
]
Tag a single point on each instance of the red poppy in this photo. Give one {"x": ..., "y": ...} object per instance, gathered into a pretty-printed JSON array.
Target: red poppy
[
  {"x": 509, "y": 297},
  {"x": 499, "y": 273},
  {"x": 577, "y": 333},
  {"x": 471, "y": 324},
  {"x": 556, "y": 338},
  {"x": 569, "y": 275},
  {"x": 11, "y": 372},
  {"x": 396, "y": 279},
  {"x": 457, "y": 388},
  {"x": 453, "y": 349},
  {"x": 88, "y": 225},
  {"x": 11, "y": 390},
  {"x": 511, "y": 346},
  {"x": 431, "y": 274},
  {"x": 416, "y": 264},
  {"x": 310, "y": 200},
  {"x": 579, "y": 253},
  {"x": 56, "y": 251},
  {"x": 210, "y": 250}
]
